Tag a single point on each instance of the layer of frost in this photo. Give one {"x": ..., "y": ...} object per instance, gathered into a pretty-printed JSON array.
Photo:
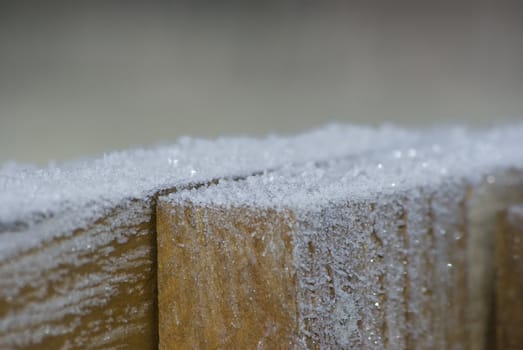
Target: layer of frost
[{"x": 427, "y": 160}]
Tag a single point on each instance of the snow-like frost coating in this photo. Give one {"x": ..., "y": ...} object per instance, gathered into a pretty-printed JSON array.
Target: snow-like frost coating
[
  {"x": 427, "y": 160},
  {"x": 74, "y": 194},
  {"x": 381, "y": 239}
]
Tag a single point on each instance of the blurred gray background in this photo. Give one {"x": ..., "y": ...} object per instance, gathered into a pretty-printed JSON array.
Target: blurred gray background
[{"x": 80, "y": 79}]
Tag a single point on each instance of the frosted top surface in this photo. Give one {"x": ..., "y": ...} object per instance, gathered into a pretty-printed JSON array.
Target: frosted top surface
[
  {"x": 28, "y": 193},
  {"x": 442, "y": 155}
]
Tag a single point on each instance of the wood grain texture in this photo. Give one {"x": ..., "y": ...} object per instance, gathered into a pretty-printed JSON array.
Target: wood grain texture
[
  {"x": 225, "y": 278},
  {"x": 413, "y": 270},
  {"x": 497, "y": 192},
  {"x": 509, "y": 281},
  {"x": 407, "y": 270},
  {"x": 379, "y": 274},
  {"x": 91, "y": 288}
]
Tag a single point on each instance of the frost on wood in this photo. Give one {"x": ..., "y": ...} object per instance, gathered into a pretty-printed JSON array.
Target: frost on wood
[
  {"x": 485, "y": 204},
  {"x": 77, "y": 241},
  {"x": 509, "y": 279},
  {"x": 389, "y": 250},
  {"x": 92, "y": 288},
  {"x": 344, "y": 237},
  {"x": 29, "y": 195},
  {"x": 229, "y": 271}
]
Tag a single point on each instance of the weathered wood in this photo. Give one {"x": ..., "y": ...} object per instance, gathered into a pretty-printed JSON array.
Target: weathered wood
[
  {"x": 329, "y": 271},
  {"x": 77, "y": 257},
  {"x": 226, "y": 279},
  {"x": 94, "y": 287},
  {"x": 362, "y": 251},
  {"x": 394, "y": 271},
  {"x": 497, "y": 192},
  {"x": 233, "y": 277},
  {"x": 509, "y": 281}
]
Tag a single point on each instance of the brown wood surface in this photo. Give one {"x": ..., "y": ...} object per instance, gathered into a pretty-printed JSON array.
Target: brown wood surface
[
  {"x": 367, "y": 276},
  {"x": 92, "y": 288},
  {"x": 226, "y": 279},
  {"x": 401, "y": 275},
  {"x": 414, "y": 273},
  {"x": 483, "y": 206},
  {"x": 509, "y": 282}
]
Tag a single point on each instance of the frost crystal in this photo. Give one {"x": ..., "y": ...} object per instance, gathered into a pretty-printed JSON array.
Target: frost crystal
[
  {"x": 373, "y": 265},
  {"x": 373, "y": 238}
]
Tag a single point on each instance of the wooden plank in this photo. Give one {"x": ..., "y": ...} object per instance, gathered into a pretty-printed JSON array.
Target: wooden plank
[
  {"x": 396, "y": 255},
  {"x": 420, "y": 256},
  {"x": 329, "y": 278},
  {"x": 390, "y": 227},
  {"x": 77, "y": 257},
  {"x": 396, "y": 270},
  {"x": 93, "y": 287},
  {"x": 509, "y": 281},
  {"x": 225, "y": 277},
  {"x": 450, "y": 292},
  {"x": 485, "y": 202}
]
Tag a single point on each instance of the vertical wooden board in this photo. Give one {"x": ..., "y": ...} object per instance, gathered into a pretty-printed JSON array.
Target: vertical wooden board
[
  {"x": 404, "y": 227},
  {"x": 497, "y": 192},
  {"x": 314, "y": 297},
  {"x": 390, "y": 228},
  {"x": 374, "y": 269},
  {"x": 339, "y": 285},
  {"x": 226, "y": 279},
  {"x": 449, "y": 225},
  {"x": 361, "y": 250},
  {"x": 322, "y": 278},
  {"x": 367, "y": 273},
  {"x": 92, "y": 288},
  {"x": 509, "y": 280},
  {"x": 422, "y": 329},
  {"x": 364, "y": 275}
]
